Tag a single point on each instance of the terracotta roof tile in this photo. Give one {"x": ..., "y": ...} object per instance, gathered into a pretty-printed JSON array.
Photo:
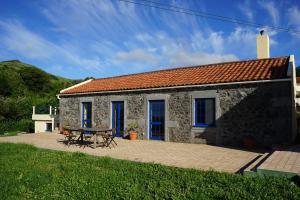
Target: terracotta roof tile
[{"x": 250, "y": 70}]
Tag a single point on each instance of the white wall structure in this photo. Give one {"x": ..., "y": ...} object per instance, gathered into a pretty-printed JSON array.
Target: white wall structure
[
  {"x": 298, "y": 94},
  {"x": 45, "y": 122},
  {"x": 295, "y": 88}
]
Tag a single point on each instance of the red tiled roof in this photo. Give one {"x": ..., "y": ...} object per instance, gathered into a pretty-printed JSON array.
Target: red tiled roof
[{"x": 249, "y": 70}]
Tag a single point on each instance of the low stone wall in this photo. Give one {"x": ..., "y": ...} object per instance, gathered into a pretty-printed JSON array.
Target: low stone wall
[{"x": 259, "y": 111}]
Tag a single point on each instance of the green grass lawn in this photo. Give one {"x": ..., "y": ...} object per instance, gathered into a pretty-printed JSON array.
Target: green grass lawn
[{"x": 27, "y": 172}]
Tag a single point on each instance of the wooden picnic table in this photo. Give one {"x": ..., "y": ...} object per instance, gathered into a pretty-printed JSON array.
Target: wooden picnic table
[{"x": 96, "y": 132}]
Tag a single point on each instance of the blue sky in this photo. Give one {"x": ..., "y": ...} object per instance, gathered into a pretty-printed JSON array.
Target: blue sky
[{"x": 102, "y": 38}]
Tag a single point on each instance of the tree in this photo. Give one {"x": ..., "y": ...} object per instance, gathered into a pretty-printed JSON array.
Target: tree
[{"x": 35, "y": 79}]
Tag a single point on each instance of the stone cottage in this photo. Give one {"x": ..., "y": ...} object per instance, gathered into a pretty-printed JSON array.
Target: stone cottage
[{"x": 222, "y": 103}]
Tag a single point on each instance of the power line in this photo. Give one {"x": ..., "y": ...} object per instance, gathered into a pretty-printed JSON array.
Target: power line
[{"x": 198, "y": 13}]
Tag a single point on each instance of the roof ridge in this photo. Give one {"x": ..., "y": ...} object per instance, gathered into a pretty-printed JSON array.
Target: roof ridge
[{"x": 189, "y": 67}]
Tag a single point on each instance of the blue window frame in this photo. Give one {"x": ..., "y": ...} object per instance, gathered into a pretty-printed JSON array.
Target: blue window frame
[
  {"x": 204, "y": 112},
  {"x": 87, "y": 115}
]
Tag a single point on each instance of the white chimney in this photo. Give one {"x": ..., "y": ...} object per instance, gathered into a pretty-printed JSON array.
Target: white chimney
[{"x": 263, "y": 45}]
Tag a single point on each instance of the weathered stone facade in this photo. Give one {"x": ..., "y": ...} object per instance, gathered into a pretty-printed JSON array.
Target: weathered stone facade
[{"x": 261, "y": 111}]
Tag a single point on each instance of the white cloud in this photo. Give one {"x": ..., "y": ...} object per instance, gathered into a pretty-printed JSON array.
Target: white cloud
[
  {"x": 28, "y": 44},
  {"x": 294, "y": 16},
  {"x": 91, "y": 18},
  {"x": 137, "y": 55},
  {"x": 145, "y": 51},
  {"x": 143, "y": 37},
  {"x": 182, "y": 41},
  {"x": 217, "y": 42},
  {"x": 19, "y": 39},
  {"x": 242, "y": 39},
  {"x": 198, "y": 49},
  {"x": 270, "y": 7},
  {"x": 246, "y": 9},
  {"x": 118, "y": 37},
  {"x": 183, "y": 57},
  {"x": 209, "y": 41}
]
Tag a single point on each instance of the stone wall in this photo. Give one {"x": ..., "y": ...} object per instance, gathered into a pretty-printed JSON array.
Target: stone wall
[
  {"x": 180, "y": 113},
  {"x": 68, "y": 112},
  {"x": 260, "y": 111}
]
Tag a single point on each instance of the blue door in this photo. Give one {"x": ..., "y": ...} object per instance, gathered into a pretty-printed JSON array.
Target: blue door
[
  {"x": 157, "y": 119},
  {"x": 86, "y": 115},
  {"x": 118, "y": 117}
]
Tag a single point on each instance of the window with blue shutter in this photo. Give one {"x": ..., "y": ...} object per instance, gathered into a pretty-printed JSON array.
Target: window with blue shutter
[{"x": 204, "y": 112}]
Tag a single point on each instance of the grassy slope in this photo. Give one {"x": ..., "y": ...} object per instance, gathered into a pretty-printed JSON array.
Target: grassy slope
[{"x": 27, "y": 173}]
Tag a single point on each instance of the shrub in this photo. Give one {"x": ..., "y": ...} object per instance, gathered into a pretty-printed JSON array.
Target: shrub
[
  {"x": 298, "y": 115},
  {"x": 21, "y": 107},
  {"x": 25, "y": 125}
]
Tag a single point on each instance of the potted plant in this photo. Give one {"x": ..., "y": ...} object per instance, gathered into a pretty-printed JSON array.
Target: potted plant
[
  {"x": 65, "y": 128},
  {"x": 132, "y": 129},
  {"x": 249, "y": 142}
]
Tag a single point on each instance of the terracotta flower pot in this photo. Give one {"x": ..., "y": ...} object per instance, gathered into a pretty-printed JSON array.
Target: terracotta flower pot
[
  {"x": 132, "y": 135},
  {"x": 66, "y": 132},
  {"x": 249, "y": 143}
]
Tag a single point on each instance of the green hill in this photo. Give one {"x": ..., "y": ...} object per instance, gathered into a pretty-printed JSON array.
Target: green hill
[
  {"x": 18, "y": 79},
  {"x": 23, "y": 85}
]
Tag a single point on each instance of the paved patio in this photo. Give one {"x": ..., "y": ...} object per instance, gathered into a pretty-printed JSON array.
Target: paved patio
[
  {"x": 287, "y": 161},
  {"x": 198, "y": 156}
]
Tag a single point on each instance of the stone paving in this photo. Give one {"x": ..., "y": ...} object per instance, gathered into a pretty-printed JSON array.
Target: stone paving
[
  {"x": 283, "y": 161},
  {"x": 197, "y": 156}
]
